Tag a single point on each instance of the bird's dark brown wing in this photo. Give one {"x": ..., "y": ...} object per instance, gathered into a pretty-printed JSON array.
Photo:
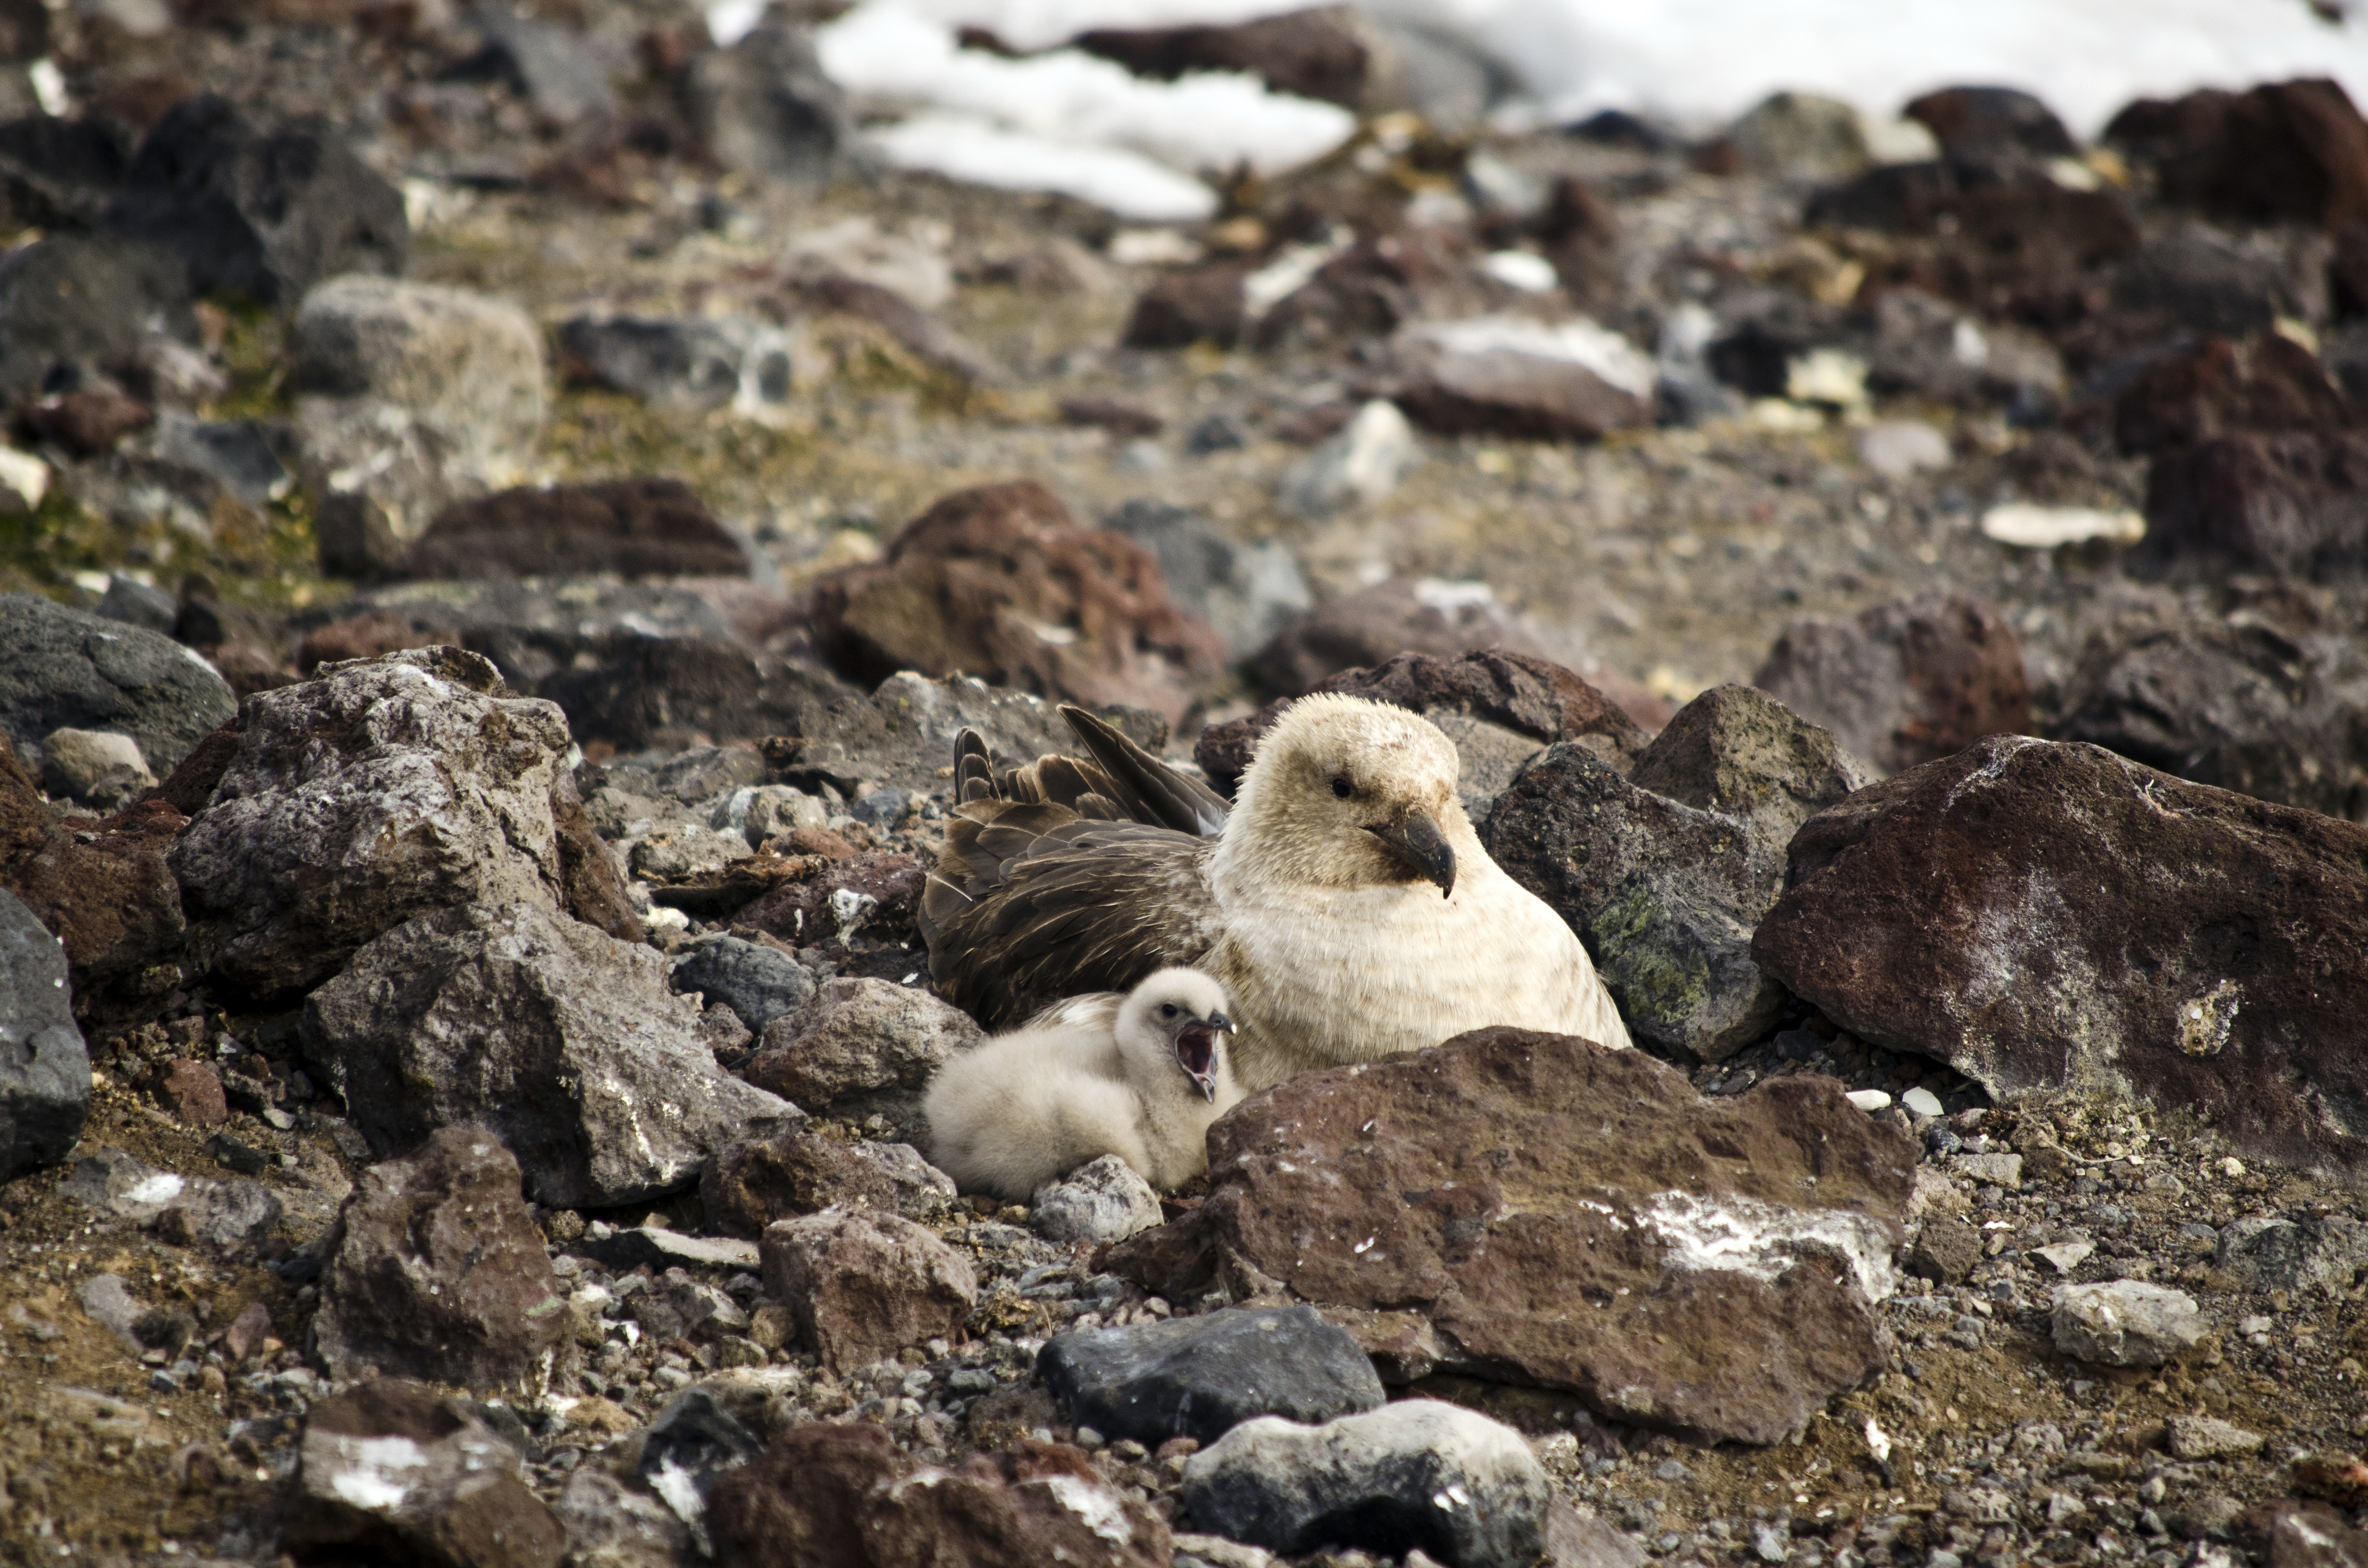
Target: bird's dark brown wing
[
  {"x": 1031, "y": 902},
  {"x": 1144, "y": 789}
]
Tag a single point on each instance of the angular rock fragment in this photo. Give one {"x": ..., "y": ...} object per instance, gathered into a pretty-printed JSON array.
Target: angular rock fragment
[
  {"x": 44, "y": 1065},
  {"x": 860, "y": 1046},
  {"x": 2040, "y": 915},
  {"x": 1447, "y": 1481},
  {"x": 1190, "y": 305},
  {"x": 845, "y": 1495},
  {"x": 2292, "y": 504},
  {"x": 72, "y": 304},
  {"x": 393, "y": 1469},
  {"x": 2284, "y": 152},
  {"x": 183, "y": 1211},
  {"x": 1200, "y": 1377},
  {"x": 1666, "y": 887},
  {"x": 563, "y": 1040},
  {"x": 1001, "y": 582},
  {"x": 95, "y": 766},
  {"x": 693, "y": 364},
  {"x": 1461, "y": 1208},
  {"x": 750, "y": 1185},
  {"x": 611, "y": 1525},
  {"x": 436, "y": 1270},
  {"x": 875, "y": 895},
  {"x": 765, "y": 107},
  {"x": 376, "y": 792},
  {"x": 692, "y": 1445},
  {"x": 2209, "y": 1437},
  {"x": 1904, "y": 683},
  {"x": 63, "y": 668},
  {"x": 2125, "y": 1324},
  {"x": 860, "y": 1285},
  {"x": 1103, "y": 1200},
  {"x": 2267, "y": 384},
  {"x": 1503, "y": 376}
]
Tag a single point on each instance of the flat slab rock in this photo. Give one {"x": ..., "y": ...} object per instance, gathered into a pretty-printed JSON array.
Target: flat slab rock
[
  {"x": 1200, "y": 1377},
  {"x": 1536, "y": 1210},
  {"x": 2045, "y": 916}
]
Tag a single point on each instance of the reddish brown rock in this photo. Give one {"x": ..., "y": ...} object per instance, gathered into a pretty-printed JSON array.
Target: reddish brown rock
[
  {"x": 2287, "y": 152},
  {"x": 1904, "y": 683},
  {"x": 1313, "y": 54},
  {"x": 1988, "y": 243},
  {"x": 1116, "y": 415},
  {"x": 2294, "y": 503},
  {"x": 862, "y": 1285},
  {"x": 2290, "y": 1534},
  {"x": 2045, "y": 916},
  {"x": 1000, "y": 583},
  {"x": 1376, "y": 286},
  {"x": 102, "y": 887},
  {"x": 1533, "y": 1209},
  {"x": 2219, "y": 388},
  {"x": 1991, "y": 123},
  {"x": 848, "y": 1497},
  {"x": 860, "y": 1045},
  {"x": 367, "y": 636},
  {"x": 192, "y": 1092},
  {"x": 749, "y": 1186},
  {"x": 87, "y": 423},
  {"x": 635, "y": 527},
  {"x": 436, "y": 1269},
  {"x": 1521, "y": 692},
  {"x": 395, "y": 1471},
  {"x": 1197, "y": 305},
  {"x": 873, "y": 894}
]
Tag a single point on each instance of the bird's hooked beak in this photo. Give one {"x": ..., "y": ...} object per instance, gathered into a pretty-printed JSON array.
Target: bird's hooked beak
[
  {"x": 1415, "y": 840},
  {"x": 1196, "y": 1051}
]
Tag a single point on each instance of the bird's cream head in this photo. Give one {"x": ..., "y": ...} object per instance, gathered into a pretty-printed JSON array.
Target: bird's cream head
[
  {"x": 1176, "y": 1021},
  {"x": 1346, "y": 793}
]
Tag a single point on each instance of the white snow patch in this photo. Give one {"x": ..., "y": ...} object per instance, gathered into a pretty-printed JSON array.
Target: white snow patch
[
  {"x": 160, "y": 1189},
  {"x": 1743, "y": 1236},
  {"x": 966, "y": 147}
]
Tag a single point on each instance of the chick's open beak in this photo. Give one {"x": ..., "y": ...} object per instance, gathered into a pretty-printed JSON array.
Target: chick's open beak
[
  {"x": 1196, "y": 1051},
  {"x": 1417, "y": 841}
]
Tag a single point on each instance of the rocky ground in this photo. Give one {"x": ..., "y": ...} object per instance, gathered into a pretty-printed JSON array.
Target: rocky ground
[{"x": 503, "y": 519}]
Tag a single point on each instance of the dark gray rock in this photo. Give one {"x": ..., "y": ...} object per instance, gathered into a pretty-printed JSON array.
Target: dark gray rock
[
  {"x": 554, "y": 68},
  {"x": 1665, "y": 885},
  {"x": 44, "y": 1065},
  {"x": 692, "y": 1444},
  {"x": 564, "y": 1041},
  {"x": 1418, "y": 1473},
  {"x": 184, "y": 1210},
  {"x": 2278, "y": 716},
  {"x": 1248, "y": 592},
  {"x": 236, "y": 455},
  {"x": 757, "y": 983},
  {"x": 690, "y": 363},
  {"x": 1101, "y": 1200},
  {"x": 436, "y": 1269},
  {"x": 66, "y": 669},
  {"x": 264, "y": 213},
  {"x": 765, "y": 108},
  {"x": 134, "y": 603},
  {"x": 1200, "y": 1377},
  {"x": 74, "y": 306}
]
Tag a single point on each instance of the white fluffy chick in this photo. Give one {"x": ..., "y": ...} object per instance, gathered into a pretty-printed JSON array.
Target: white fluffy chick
[{"x": 1140, "y": 1077}]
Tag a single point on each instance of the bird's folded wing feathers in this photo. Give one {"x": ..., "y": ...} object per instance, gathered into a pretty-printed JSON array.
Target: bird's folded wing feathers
[
  {"x": 1031, "y": 902},
  {"x": 1144, "y": 789}
]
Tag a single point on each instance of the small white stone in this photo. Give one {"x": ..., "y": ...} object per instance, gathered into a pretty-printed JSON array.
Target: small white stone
[
  {"x": 1868, "y": 1099},
  {"x": 1921, "y": 1101}
]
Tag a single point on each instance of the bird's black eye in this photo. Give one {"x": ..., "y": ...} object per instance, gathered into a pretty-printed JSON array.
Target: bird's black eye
[
  {"x": 1167, "y": 1010},
  {"x": 1343, "y": 788}
]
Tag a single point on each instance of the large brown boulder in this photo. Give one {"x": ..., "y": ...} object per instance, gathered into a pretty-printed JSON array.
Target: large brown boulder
[
  {"x": 2220, "y": 387},
  {"x": 1000, "y": 583},
  {"x": 2046, "y": 916},
  {"x": 2292, "y": 503},
  {"x": 847, "y": 1496},
  {"x": 862, "y": 1285},
  {"x": 1536, "y": 1210}
]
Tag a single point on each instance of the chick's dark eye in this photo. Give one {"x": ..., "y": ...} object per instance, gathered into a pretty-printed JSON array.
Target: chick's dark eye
[
  {"x": 1342, "y": 787},
  {"x": 1168, "y": 1011}
]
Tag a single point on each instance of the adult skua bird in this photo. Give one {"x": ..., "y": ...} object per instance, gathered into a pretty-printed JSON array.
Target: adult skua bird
[{"x": 1342, "y": 899}]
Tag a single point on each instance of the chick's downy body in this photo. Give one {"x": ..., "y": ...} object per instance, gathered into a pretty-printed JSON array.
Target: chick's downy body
[{"x": 1141, "y": 1076}]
